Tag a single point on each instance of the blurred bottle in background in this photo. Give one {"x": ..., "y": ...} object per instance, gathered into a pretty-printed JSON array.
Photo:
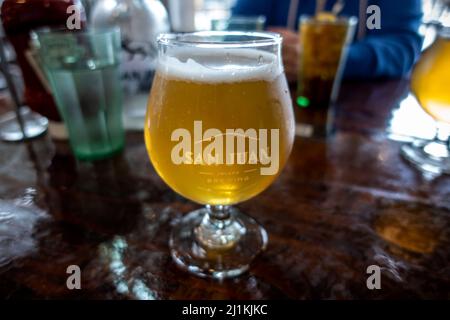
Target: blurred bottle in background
[
  {"x": 182, "y": 14},
  {"x": 19, "y": 17},
  {"x": 140, "y": 22},
  {"x": 197, "y": 15}
]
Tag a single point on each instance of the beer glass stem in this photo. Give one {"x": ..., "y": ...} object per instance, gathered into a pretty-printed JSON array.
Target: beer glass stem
[
  {"x": 443, "y": 137},
  {"x": 219, "y": 229},
  {"x": 219, "y": 213},
  {"x": 444, "y": 132}
]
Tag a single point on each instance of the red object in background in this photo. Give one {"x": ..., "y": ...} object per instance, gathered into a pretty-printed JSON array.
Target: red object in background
[{"x": 19, "y": 17}]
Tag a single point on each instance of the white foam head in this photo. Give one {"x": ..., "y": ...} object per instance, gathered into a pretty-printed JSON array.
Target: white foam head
[{"x": 208, "y": 65}]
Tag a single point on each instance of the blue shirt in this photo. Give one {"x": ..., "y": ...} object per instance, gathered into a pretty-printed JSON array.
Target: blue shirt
[{"x": 387, "y": 52}]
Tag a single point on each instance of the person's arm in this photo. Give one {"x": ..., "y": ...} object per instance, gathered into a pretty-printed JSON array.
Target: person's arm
[{"x": 392, "y": 50}]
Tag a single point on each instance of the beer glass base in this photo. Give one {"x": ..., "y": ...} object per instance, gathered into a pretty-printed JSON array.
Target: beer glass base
[
  {"x": 429, "y": 157},
  {"x": 35, "y": 125},
  {"x": 227, "y": 262}
]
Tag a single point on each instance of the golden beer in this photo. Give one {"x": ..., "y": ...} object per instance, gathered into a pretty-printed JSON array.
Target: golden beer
[
  {"x": 431, "y": 80},
  {"x": 194, "y": 93}
]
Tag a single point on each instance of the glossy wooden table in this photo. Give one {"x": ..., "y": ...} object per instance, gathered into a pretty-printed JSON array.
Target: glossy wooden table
[{"x": 339, "y": 206}]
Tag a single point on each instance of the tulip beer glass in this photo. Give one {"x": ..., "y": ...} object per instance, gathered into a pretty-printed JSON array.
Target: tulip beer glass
[
  {"x": 430, "y": 84},
  {"x": 219, "y": 129}
]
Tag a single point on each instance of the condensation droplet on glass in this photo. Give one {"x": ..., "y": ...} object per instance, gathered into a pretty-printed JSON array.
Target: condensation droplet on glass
[
  {"x": 260, "y": 60},
  {"x": 90, "y": 64}
]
